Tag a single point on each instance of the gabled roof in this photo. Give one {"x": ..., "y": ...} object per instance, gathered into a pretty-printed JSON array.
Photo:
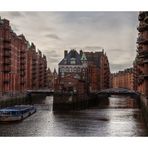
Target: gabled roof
[
  {"x": 73, "y": 54},
  {"x": 83, "y": 57}
]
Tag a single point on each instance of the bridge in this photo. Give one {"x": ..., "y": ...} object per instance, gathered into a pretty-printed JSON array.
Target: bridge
[
  {"x": 40, "y": 91},
  {"x": 118, "y": 91}
]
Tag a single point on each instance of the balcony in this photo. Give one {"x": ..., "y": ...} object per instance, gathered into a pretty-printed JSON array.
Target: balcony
[
  {"x": 34, "y": 70},
  {"x": 22, "y": 75},
  {"x": 6, "y": 81},
  {"x": 22, "y": 69},
  {"x": 8, "y": 70},
  {"x": 34, "y": 64},
  {"x": 145, "y": 76},
  {"x": 7, "y": 62},
  {"x": 40, "y": 80},
  {"x": 7, "y": 40},
  {"x": 22, "y": 63},
  {"x": 22, "y": 52},
  {"x": 141, "y": 40},
  {"x": 22, "y": 83},
  {"x": 143, "y": 54},
  {"x": 8, "y": 48},
  {"x": 33, "y": 78},
  {"x": 22, "y": 57},
  {"x": 140, "y": 81},
  {"x": 145, "y": 61},
  {"x": 7, "y": 54},
  {"x": 141, "y": 16},
  {"x": 34, "y": 84},
  {"x": 139, "y": 47},
  {"x": 142, "y": 27},
  {"x": 140, "y": 62}
]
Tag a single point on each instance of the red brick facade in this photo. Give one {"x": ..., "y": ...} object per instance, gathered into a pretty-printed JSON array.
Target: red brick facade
[
  {"x": 123, "y": 79},
  {"x": 141, "y": 61},
  {"x": 98, "y": 70},
  {"x": 21, "y": 67}
]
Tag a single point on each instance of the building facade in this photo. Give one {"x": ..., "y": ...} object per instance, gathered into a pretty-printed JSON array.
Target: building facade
[
  {"x": 123, "y": 79},
  {"x": 21, "y": 67},
  {"x": 98, "y": 70},
  {"x": 74, "y": 63},
  {"x": 141, "y": 60},
  {"x": 72, "y": 69},
  {"x": 90, "y": 70}
]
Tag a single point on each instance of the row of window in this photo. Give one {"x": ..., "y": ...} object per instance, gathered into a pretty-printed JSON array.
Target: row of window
[{"x": 72, "y": 69}]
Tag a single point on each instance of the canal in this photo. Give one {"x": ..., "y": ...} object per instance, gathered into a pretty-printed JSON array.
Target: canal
[{"x": 117, "y": 116}]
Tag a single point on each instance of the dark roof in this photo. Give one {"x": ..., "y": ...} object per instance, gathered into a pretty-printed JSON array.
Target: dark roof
[{"x": 72, "y": 54}]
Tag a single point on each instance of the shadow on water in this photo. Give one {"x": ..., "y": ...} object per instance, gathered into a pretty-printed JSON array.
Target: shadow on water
[
  {"x": 114, "y": 116},
  {"x": 42, "y": 102}
]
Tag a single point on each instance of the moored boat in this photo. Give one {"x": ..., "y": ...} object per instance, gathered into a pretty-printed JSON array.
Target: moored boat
[{"x": 16, "y": 113}]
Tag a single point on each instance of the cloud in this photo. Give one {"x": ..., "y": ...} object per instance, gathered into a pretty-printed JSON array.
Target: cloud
[
  {"x": 53, "y": 53},
  {"x": 117, "y": 67},
  {"x": 53, "y": 36},
  {"x": 16, "y": 14},
  {"x": 54, "y": 32},
  {"x": 93, "y": 48}
]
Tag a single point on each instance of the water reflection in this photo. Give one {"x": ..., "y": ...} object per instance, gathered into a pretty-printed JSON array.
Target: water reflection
[{"x": 117, "y": 116}]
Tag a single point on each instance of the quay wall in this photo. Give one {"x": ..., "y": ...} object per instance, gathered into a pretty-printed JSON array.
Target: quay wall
[
  {"x": 144, "y": 108},
  {"x": 62, "y": 102},
  {"x": 8, "y": 101}
]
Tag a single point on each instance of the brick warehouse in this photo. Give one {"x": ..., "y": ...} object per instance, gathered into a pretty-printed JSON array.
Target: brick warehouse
[
  {"x": 141, "y": 60},
  {"x": 21, "y": 67},
  {"x": 98, "y": 70},
  {"x": 123, "y": 79},
  {"x": 89, "y": 70}
]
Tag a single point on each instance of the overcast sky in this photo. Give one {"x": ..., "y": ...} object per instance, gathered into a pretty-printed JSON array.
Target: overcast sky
[{"x": 54, "y": 32}]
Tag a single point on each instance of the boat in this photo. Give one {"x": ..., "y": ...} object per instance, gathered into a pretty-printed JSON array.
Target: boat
[{"x": 16, "y": 113}]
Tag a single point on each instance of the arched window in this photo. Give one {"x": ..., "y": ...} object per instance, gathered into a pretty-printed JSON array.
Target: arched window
[
  {"x": 79, "y": 69},
  {"x": 67, "y": 69},
  {"x": 70, "y": 69},
  {"x": 74, "y": 69}
]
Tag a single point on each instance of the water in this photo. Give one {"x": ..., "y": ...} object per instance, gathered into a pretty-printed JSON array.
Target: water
[{"x": 119, "y": 117}]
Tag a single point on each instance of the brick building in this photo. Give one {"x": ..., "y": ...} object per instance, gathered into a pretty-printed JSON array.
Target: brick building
[
  {"x": 37, "y": 68},
  {"x": 98, "y": 70},
  {"x": 72, "y": 69},
  {"x": 123, "y": 79},
  {"x": 21, "y": 67},
  {"x": 50, "y": 79},
  {"x": 141, "y": 60},
  {"x": 90, "y": 70}
]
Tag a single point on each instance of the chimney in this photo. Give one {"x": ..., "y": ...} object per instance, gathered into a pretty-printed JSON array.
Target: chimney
[
  {"x": 81, "y": 52},
  {"x": 65, "y": 53}
]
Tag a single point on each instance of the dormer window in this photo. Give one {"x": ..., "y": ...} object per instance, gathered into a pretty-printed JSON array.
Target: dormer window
[{"x": 73, "y": 61}]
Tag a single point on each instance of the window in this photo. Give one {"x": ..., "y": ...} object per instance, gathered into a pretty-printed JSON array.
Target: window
[
  {"x": 74, "y": 69},
  {"x": 70, "y": 69},
  {"x": 79, "y": 69},
  {"x": 67, "y": 69},
  {"x": 72, "y": 61},
  {"x": 61, "y": 69},
  {"x": 65, "y": 61}
]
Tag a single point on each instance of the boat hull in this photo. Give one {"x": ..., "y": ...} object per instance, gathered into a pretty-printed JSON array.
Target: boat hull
[{"x": 21, "y": 116}]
